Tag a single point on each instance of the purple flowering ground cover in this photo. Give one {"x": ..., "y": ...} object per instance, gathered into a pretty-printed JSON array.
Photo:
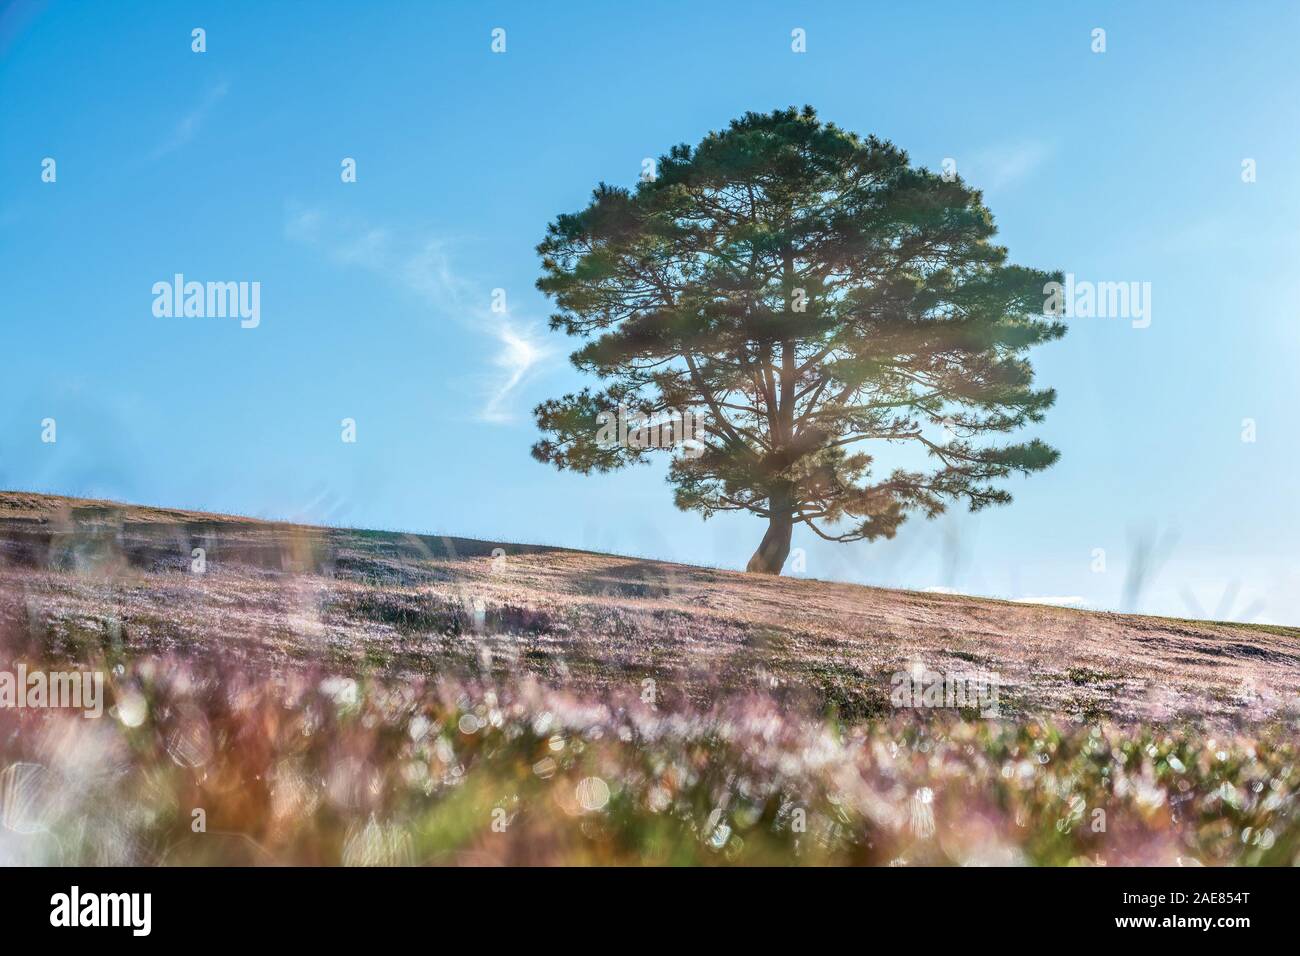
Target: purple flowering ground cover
[{"x": 332, "y": 696}]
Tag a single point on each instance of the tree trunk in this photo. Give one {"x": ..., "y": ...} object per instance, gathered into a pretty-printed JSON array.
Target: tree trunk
[{"x": 775, "y": 547}]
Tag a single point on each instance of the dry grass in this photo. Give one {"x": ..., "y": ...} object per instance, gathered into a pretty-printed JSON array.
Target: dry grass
[
  {"x": 78, "y": 575},
  {"x": 330, "y": 696}
]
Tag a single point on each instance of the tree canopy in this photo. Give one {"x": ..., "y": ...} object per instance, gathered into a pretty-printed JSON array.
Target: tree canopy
[{"x": 811, "y": 295}]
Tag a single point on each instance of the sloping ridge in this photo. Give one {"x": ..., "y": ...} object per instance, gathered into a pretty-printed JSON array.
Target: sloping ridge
[{"x": 283, "y": 592}]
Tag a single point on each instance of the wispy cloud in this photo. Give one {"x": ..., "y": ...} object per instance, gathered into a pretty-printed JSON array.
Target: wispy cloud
[
  {"x": 190, "y": 124},
  {"x": 1051, "y": 600},
  {"x": 1071, "y": 601},
  {"x": 518, "y": 356},
  {"x": 422, "y": 266},
  {"x": 1006, "y": 164}
]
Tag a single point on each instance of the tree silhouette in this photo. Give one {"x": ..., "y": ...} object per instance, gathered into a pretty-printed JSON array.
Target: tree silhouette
[{"x": 806, "y": 291}]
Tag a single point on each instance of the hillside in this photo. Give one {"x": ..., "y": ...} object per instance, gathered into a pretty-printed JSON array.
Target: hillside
[{"x": 79, "y": 576}]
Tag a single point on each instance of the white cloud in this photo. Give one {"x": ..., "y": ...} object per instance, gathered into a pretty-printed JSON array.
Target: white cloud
[
  {"x": 191, "y": 122},
  {"x": 1053, "y": 601},
  {"x": 304, "y": 225},
  {"x": 1071, "y": 601},
  {"x": 422, "y": 266},
  {"x": 997, "y": 167},
  {"x": 519, "y": 355}
]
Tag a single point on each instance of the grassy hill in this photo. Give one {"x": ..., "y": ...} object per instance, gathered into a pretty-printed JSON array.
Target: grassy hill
[
  {"x": 325, "y": 696},
  {"x": 95, "y": 573}
]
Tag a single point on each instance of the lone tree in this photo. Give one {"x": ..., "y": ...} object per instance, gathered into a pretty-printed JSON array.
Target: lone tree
[{"x": 806, "y": 291}]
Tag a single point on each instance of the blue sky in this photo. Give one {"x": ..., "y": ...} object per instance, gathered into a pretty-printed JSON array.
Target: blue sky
[{"x": 1117, "y": 166}]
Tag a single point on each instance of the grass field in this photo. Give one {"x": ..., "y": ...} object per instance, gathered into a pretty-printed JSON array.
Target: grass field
[{"x": 341, "y": 696}]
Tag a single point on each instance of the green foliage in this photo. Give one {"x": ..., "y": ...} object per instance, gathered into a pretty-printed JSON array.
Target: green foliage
[{"x": 806, "y": 290}]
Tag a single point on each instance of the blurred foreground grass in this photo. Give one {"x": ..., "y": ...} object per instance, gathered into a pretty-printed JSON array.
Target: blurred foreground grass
[{"x": 207, "y": 764}]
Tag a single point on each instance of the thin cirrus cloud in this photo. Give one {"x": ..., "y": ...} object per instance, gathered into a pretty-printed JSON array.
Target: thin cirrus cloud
[
  {"x": 422, "y": 266},
  {"x": 518, "y": 356},
  {"x": 189, "y": 125},
  {"x": 1005, "y": 165},
  {"x": 1072, "y": 600}
]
